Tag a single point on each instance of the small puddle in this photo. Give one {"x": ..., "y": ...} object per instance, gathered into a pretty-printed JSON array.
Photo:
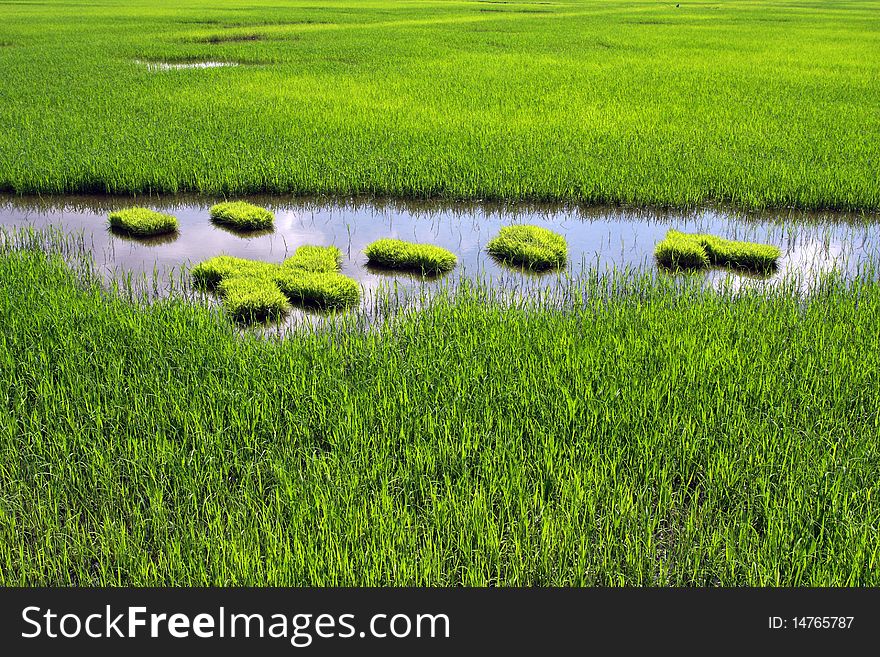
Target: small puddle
[
  {"x": 604, "y": 238},
  {"x": 173, "y": 66}
]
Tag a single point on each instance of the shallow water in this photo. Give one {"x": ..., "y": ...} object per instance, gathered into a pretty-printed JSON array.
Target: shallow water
[
  {"x": 173, "y": 66},
  {"x": 604, "y": 238}
]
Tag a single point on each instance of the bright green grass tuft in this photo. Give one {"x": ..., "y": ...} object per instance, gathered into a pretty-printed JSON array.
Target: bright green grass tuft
[
  {"x": 242, "y": 215},
  {"x": 315, "y": 258},
  {"x": 397, "y": 254},
  {"x": 530, "y": 246},
  {"x": 759, "y": 258},
  {"x": 696, "y": 251},
  {"x": 142, "y": 222},
  {"x": 252, "y": 298},
  {"x": 211, "y": 272},
  {"x": 321, "y": 289},
  {"x": 250, "y": 288},
  {"x": 681, "y": 251}
]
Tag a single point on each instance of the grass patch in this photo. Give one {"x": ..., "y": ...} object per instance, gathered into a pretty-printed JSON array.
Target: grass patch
[
  {"x": 250, "y": 289},
  {"x": 242, "y": 215},
  {"x": 529, "y": 246},
  {"x": 142, "y": 222},
  {"x": 741, "y": 255},
  {"x": 695, "y": 251},
  {"x": 397, "y": 254},
  {"x": 315, "y": 259},
  {"x": 681, "y": 251},
  {"x": 210, "y": 273},
  {"x": 640, "y": 432},
  {"x": 252, "y": 298},
  {"x": 320, "y": 289},
  {"x": 229, "y": 38},
  {"x": 789, "y": 120}
]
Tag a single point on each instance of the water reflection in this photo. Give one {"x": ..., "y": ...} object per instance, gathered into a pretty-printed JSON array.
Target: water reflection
[{"x": 603, "y": 238}]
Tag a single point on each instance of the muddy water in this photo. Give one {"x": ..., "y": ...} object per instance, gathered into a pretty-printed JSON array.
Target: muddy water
[{"x": 602, "y": 238}]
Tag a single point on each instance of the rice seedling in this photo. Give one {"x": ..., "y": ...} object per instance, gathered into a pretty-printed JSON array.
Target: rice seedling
[
  {"x": 210, "y": 273},
  {"x": 398, "y": 254},
  {"x": 681, "y": 251},
  {"x": 740, "y": 255},
  {"x": 242, "y": 215},
  {"x": 529, "y": 246},
  {"x": 695, "y": 251},
  {"x": 310, "y": 277},
  {"x": 789, "y": 119},
  {"x": 315, "y": 259},
  {"x": 142, "y": 222},
  {"x": 321, "y": 289},
  {"x": 642, "y": 433},
  {"x": 252, "y": 298}
]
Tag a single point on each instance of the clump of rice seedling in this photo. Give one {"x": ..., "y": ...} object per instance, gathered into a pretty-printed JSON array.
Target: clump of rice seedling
[
  {"x": 681, "y": 251},
  {"x": 397, "y": 254},
  {"x": 142, "y": 222},
  {"x": 210, "y": 273},
  {"x": 695, "y": 251},
  {"x": 251, "y": 298},
  {"x": 315, "y": 258},
  {"x": 251, "y": 289},
  {"x": 741, "y": 255},
  {"x": 322, "y": 289},
  {"x": 242, "y": 215},
  {"x": 531, "y": 246}
]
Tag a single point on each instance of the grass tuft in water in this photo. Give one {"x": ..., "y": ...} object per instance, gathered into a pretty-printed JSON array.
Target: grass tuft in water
[
  {"x": 210, "y": 273},
  {"x": 696, "y": 251},
  {"x": 681, "y": 251},
  {"x": 309, "y": 278},
  {"x": 398, "y": 254},
  {"x": 142, "y": 222},
  {"x": 741, "y": 255},
  {"x": 321, "y": 289},
  {"x": 529, "y": 246},
  {"x": 251, "y": 298},
  {"x": 242, "y": 215},
  {"x": 315, "y": 259}
]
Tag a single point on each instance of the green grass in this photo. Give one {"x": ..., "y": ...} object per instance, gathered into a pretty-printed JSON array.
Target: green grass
[
  {"x": 210, "y": 273},
  {"x": 255, "y": 291},
  {"x": 751, "y": 102},
  {"x": 142, "y": 222},
  {"x": 252, "y": 298},
  {"x": 315, "y": 259},
  {"x": 321, "y": 289},
  {"x": 242, "y": 215},
  {"x": 696, "y": 251},
  {"x": 634, "y": 430},
  {"x": 741, "y": 255},
  {"x": 681, "y": 251},
  {"x": 530, "y": 246},
  {"x": 398, "y": 254}
]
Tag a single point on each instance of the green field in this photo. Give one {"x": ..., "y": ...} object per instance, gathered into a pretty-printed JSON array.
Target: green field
[
  {"x": 642, "y": 102},
  {"x": 637, "y": 427},
  {"x": 632, "y": 430}
]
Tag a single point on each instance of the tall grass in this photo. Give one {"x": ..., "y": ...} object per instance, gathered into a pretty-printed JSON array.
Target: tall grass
[
  {"x": 629, "y": 430},
  {"x": 640, "y": 102}
]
